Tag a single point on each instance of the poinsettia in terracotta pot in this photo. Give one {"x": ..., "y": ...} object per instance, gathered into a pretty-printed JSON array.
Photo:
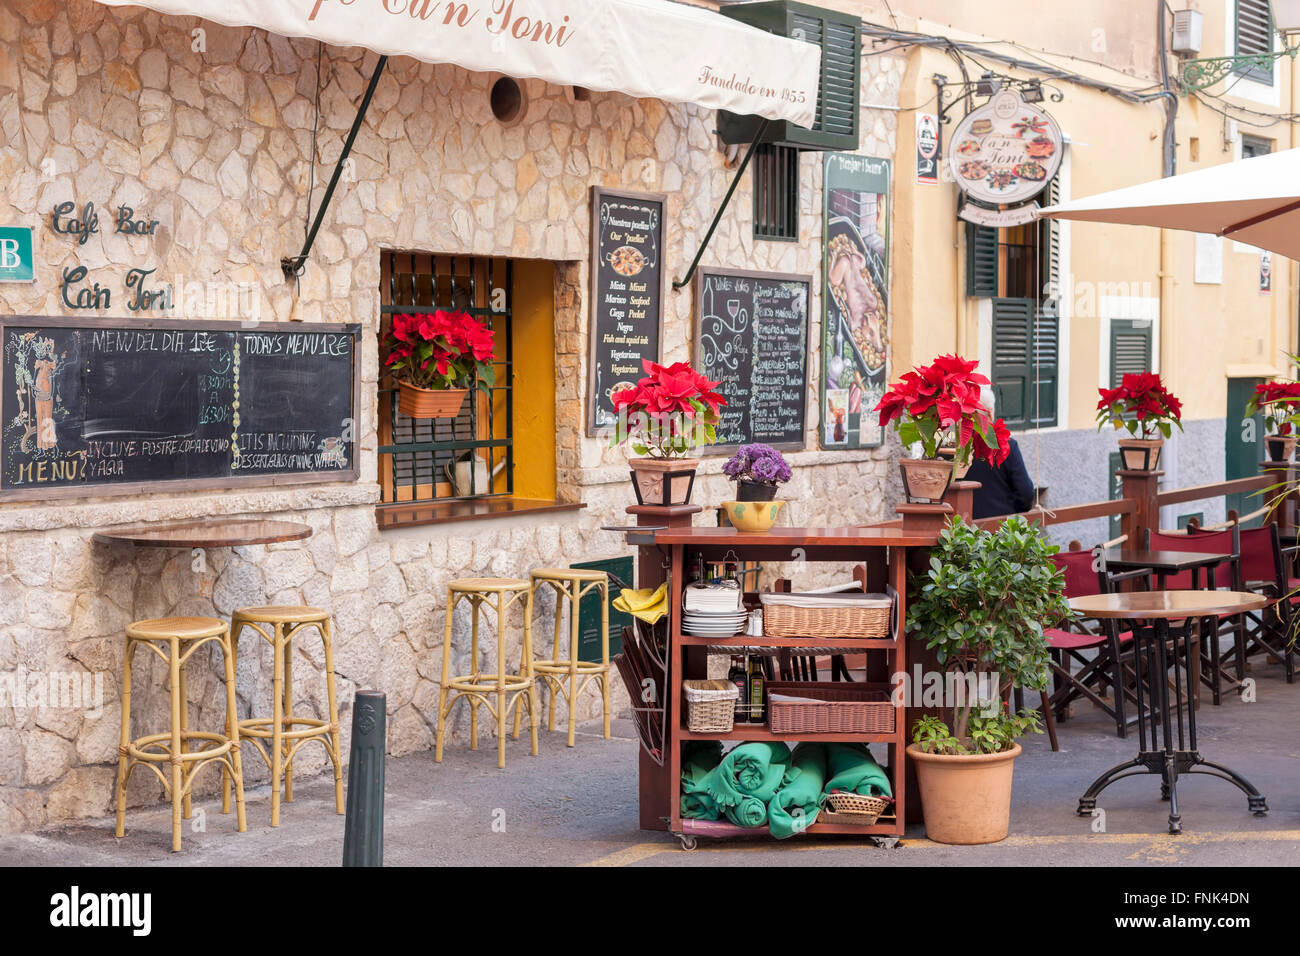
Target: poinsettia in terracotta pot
[
  {"x": 938, "y": 406},
  {"x": 1280, "y": 403},
  {"x": 436, "y": 358},
  {"x": 667, "y": 413},
  {"x": 1148, "y": 411}
]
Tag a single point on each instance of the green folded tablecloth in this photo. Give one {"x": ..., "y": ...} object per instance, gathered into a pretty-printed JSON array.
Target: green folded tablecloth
[
  {"x": 750, "y": 770},
  {"x": 749, "y": 812},
  {"x": 794, "y": 807},
  {"x": 700, "y": 759},
  {"x": 851, "y": 767}
]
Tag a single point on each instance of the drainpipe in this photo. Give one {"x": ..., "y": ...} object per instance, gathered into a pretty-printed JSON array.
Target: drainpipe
[{"x": 1169, "y": 164}]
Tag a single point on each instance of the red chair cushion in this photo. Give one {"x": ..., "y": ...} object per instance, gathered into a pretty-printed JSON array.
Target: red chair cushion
[{"x": 1071, "y": 641}]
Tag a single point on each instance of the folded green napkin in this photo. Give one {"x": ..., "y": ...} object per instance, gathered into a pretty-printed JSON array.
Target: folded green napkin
[
  {"x": 851, "y": 767},
  {"x": 750, "y": 770},
  {"x": 794, "y": 807},
  {"x": 699, "y": 760}
]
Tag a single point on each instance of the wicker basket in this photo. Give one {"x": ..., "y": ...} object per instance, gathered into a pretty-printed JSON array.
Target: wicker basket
[
  {"x": 855, "y": 808},
  {"x": 838, "y": 708},
  {"x": 861, "y": 623},
  {"x": 710, "y": 706}
]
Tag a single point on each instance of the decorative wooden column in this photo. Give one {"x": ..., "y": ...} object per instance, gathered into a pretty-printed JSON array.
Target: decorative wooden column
[
  {"x": 1140, "y": 487},
  {"x": 652, "y": 779}
]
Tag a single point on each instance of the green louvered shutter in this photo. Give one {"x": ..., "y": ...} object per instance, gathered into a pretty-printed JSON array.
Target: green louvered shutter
[
  {"x": 1253, "y": 33},
  {"x": 1130, "y": 348},
  {"x": 1045, "y": 370},
  {"x": 981, "y": 260},
  {"x": 1013, "y": 321},
  {"x": 1049, "y": 257}
]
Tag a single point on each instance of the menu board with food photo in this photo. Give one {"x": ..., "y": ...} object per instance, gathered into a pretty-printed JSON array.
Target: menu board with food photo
[
  {"x": 627, "y": 231},
  {"x": 1005, "y": 151},
  {"x": 855, "y": 299}
]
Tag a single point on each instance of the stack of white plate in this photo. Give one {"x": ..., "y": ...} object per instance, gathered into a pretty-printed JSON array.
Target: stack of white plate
[{"x": 714, "y": 623}]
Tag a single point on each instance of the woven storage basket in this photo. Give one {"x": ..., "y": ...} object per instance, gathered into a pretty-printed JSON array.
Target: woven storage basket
[
  {"x": 838, "y": 708},
  {"x": 861, "y": 623},
  {"x": 710, "y": 706},
  {"x": 855, "y": 808}
]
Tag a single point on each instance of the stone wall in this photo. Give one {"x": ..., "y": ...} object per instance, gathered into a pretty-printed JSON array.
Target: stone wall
[{"x": 211, "y": 134}]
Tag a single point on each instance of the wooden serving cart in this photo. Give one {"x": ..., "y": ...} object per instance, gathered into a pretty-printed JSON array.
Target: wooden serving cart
[{"x": 880, "y": 557}]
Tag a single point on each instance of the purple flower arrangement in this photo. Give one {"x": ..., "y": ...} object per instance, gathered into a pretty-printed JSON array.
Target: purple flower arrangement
[{"x": 757, "y": 464}]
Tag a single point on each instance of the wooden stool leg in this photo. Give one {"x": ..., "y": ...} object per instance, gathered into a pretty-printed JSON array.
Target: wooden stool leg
[
  {"x": 531, "y": 698},
  {"x": 526, "y": 655},
  {"x": 474, "y": 608},
  {"x": 124, "y": 741},
  {"x": 326, "y": 629},
  {"x": 174, "y": 664},
  {"x": 187, "y": 808},
  {"x": 232, "y": 731},
  {"x": 288, "y": 709},
  {"x": 231, "y": 714},
  {"x": 277, "y": 718},
  {"x": 553, "y": 686},
  {"x": 442, "y": 687},
  {"x": 603, "y": 591},
  {"x": 501, "y": 681},
  {"x": 574, "y": 590}
]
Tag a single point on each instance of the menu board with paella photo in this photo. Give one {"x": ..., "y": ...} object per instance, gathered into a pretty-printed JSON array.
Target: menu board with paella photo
[
  {"x": 855, "y": 299},
  {"x": 1005, "y": 151}
]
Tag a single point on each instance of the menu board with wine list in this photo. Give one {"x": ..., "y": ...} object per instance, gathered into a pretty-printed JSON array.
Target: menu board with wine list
[
  {"x": 124, "y": 403},
  {"x": 627, "y": 244},
  {"x": 751, "y": 336}
]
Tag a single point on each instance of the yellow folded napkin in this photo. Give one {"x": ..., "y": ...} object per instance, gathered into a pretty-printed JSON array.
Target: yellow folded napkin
[{"x": 645, "y": 604}]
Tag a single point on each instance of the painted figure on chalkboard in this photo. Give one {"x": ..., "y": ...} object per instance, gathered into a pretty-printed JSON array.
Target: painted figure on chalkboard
[
  {"x": 35, "y": 365},
  {"x": 43, "y": 395}
]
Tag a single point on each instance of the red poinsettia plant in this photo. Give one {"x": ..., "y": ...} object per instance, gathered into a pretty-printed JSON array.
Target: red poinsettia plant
[
  {"x": 1280, "y": 403},
  {"x": 939, "y": 405},
  {"x": 441, "y": 350},
  {"x": 668, "y": 412},
  {"x": 1141, "y": 405}
]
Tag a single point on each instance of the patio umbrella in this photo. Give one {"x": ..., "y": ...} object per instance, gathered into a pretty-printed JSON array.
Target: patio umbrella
[{"x": 1255, "y": 201}]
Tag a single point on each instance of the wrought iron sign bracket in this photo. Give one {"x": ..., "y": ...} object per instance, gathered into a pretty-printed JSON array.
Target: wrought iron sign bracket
[
  {"x": 949, "y": 93},
  {"x": 717, "y": 217},
  {"x": 293, "y": 265},
  {"x": 1202, "y": 74}
]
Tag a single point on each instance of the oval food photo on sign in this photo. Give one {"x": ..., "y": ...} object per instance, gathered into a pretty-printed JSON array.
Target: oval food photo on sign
[{"x": 1005, "y": 151}]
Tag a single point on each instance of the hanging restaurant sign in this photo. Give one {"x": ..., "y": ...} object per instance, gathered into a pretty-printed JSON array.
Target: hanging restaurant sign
[
  {"x": 998, "y": 218},
  {"x": 1005, "y": 151}
]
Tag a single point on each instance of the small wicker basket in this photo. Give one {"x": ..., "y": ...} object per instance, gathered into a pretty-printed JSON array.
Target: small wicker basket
[
  {"x": 861, "y": 623},
  {"x": 710, "y": 706},
  {"x": 862, "y": 809}
]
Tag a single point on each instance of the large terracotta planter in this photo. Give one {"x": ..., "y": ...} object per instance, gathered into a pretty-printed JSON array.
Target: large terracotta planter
[
  {"x": 416, "y": 402},
  {"x": 1280, "y": 447},
  {"x": 967, "y": 798},
  {"x": 959, "y": 471},
  {"x": 926, "y": 479},
  {"x": 663, "y": 481},
  {"x": 1141, "y": 454}
]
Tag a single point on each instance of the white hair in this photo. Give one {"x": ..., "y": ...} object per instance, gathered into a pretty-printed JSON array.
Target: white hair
[{"x": 988, "y": 398}]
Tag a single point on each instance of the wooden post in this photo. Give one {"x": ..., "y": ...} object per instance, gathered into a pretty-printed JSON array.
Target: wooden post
[
  {"x": 961, "y": 496},
  {"x": 652, "y": 779},
  {"x": 1141, "y": 487}
]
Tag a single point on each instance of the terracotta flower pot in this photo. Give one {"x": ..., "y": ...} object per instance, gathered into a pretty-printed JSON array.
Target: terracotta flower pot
[
  {"x": 663, "y": 481},
  {"x": 1141, "y": 454},
  {"x": 959, "y": 471},
  {"x": 926, "y": 479},
  {"x": 966, "y": 798},
  {"x": 416, "y": 402},
  {"x": 1280, "y": 447}
]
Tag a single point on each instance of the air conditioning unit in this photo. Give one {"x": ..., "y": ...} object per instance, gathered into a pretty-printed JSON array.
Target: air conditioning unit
[
  {"x": 1187, "y": 32},
  {"x": 838, "y": 98}
]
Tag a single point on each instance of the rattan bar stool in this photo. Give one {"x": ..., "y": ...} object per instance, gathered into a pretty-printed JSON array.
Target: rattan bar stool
[
  {"x": 574, "y": 584},
  {"x": 287, "y": 733},
  {"x": 510, "y": 691},
  {"x": 174, "y": 640}
]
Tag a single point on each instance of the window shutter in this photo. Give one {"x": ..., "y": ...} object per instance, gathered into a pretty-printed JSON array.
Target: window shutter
[
  {"x": 1049, "y": 257},
  {"x": 1253, "y": 33},
  {"x": 981, "y": 260},
  {"x": 1013, "y": 321},
  {"x": 1130, "y": 348},
  {"x": 1046, "y": 366}
]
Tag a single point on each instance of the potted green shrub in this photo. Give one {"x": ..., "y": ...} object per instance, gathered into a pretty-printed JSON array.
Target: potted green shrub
[{"x": 981, "y": 606}]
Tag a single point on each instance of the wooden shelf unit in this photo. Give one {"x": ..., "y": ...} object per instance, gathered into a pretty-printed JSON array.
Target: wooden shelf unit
[{"x": 884, "y": 557}]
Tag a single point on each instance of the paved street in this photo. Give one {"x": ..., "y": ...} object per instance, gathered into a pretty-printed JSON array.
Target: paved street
[{"x": 578, "y": 807}]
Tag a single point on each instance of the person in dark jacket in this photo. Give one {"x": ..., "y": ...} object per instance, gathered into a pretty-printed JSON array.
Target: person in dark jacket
[{"x": 1006, "y": 489}]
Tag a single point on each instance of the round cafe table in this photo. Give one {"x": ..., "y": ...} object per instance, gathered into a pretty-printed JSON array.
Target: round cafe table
[
  {"x": 208, "y": 533},
  {"x": 1160, "y": 621}
]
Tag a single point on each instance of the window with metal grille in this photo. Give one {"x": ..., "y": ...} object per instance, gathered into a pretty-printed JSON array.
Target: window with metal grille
[
  {"x": 1255, "y": 146},
  {"x": 469, "y": 456},
  {"x": 776, "y": 192},
  {"x": 1253, "y": 34}
]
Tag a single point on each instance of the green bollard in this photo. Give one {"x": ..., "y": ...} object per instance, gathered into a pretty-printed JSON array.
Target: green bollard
[{"x": 363, "y": 828}]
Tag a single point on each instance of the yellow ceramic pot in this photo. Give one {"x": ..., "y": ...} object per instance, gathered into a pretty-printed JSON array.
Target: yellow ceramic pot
[{"x": 752, "y": 516}]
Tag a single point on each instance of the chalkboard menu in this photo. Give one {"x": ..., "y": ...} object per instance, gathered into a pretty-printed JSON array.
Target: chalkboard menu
[
  {"x": 121, "y": 402},
  {"x": 627, "y": 241},
  {"x": 751, "y": 335}
]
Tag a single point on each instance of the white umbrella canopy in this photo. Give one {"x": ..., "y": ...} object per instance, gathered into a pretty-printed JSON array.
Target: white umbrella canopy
[{"x": 1255, "y": 201}]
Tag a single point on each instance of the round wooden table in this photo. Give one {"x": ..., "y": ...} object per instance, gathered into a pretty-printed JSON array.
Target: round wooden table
[
  {"x": 1154, "y": 642},
  {"x": 211, "y": 533}
]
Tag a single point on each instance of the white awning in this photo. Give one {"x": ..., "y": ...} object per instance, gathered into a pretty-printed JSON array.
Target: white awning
[{"x": 646, "y": 48}]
